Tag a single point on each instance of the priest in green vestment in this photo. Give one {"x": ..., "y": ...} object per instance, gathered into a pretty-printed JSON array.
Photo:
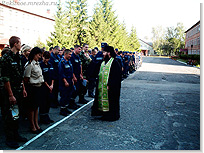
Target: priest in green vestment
[{"x": 107, "y": 98}]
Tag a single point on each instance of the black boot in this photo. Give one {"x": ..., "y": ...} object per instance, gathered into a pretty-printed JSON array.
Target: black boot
[
  {"x": 12, "y": 144},
  {"x": 51, "y": 121},
  {"x": 82, "y": 100},
  {"x": 64, "y": 111},
  {"x": 73, "y": 105},
  {"x": 19, "y": 138}
]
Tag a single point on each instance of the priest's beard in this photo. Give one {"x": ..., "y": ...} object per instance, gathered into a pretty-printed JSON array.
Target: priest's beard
[{"x": 106, "y": 58}]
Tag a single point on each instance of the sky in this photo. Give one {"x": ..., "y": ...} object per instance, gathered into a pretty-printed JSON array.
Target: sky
[
  {"x": 145, "y": 14},
  {"x": 142, "y": 14}
]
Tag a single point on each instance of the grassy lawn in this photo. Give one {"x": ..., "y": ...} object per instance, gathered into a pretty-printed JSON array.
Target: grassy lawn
[{"x": 182, "y": 60}]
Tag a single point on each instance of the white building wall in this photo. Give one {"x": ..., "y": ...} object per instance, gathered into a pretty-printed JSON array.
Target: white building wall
[
  {"x": 144, "y": 46},
  {"x": 26, "y": 26}
]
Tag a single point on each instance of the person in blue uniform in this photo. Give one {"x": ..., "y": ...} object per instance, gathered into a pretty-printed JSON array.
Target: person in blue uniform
[
  {"x": 99, "y": 58},
  {"x": 119, "y": 58},
  {"x": 99, "y": 55},
  {"x": 47, "y": 87},
  {"x": 65, "y": 82},
  {"x": 61, "y": 53},
  {"x": 54, "y": 60},
  {"x": 91, "y": 77},
  {"x": 133, "y": 56},
  {"x": 93, "y": 53},
  {"x": 126, "y": 64},
  {"x": 77, "y": 76}
]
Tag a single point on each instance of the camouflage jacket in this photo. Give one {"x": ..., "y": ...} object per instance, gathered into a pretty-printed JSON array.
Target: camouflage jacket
[
  {"x": 12, "y": 70},
  {"x": 85, "y": 63}
]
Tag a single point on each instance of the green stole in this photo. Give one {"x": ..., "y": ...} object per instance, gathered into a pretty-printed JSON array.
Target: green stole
[{"x": 103, "y": 104}]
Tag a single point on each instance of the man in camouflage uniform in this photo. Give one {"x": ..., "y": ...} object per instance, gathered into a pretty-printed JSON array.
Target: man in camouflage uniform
[
  {"x": 4, "y": 51},
  {"x": 12, "y": 77},
  {"x": 85, "y": 61}
]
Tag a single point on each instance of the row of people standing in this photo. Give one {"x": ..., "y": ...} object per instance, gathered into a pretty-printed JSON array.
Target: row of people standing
[
  {"x": 36, "y": 78},
  {"x": 29, "y": 84}
]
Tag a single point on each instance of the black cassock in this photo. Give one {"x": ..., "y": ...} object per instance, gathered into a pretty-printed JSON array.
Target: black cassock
[{"x": 114, "y": 83}]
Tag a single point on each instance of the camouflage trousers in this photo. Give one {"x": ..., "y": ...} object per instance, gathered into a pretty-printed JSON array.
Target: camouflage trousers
[{"x": 10, "y": 126}]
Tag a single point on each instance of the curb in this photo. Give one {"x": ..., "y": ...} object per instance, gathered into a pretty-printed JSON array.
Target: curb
[
  {"x": 187, "y": 64},
  {"x": 56, "y": 124}
]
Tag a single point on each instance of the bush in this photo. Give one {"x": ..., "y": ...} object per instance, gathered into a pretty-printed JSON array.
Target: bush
[{"x": 193, "y": 57}]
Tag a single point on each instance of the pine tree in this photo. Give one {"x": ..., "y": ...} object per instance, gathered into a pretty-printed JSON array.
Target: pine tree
[
  {"x": 97, "y": 28},
  {"x": 123, "y": 43},
  {"x": 104, "y": 26},
  {"x": 81, "y": 20},
  {"x": 58, "y": 36},
  {"x": 71, "y": 24},
  {"x": 134, "y": 42},
  {"x": 112, "y": 23}
]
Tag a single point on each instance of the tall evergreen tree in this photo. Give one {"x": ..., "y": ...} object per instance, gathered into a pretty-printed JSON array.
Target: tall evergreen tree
[
  {"x": 58, "y": 36},
  {"x": 123, "y": 40},
  {"x": 71, "y": 24},
  {"x": 112, "y": 23},
  {"x": 81, "y": 20},
  {"x": 134, "y": 42},
  {"x": 97, "y": 28},
  {"x": 104, "y": 26}
]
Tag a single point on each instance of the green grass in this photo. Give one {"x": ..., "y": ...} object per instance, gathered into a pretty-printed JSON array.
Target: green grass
[{"x": 182, "y": 60}]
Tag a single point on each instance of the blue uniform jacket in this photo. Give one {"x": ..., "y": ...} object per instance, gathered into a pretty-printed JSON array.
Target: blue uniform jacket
[
  {"x": 65, "y": 71},
  {"x": 47, "y": 71},
  {"x": 54, "y": 60},
  {"x": 133, "y": 57},
  {"x": 60, "y": 57},
  {"x": 93, "y": 57},
  {"x": 121, "y": 60},
  {"x": 76, "y": 63},
  {"x": 99, "y": 57}
]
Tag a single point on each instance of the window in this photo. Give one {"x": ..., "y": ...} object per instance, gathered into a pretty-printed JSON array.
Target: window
[{"x": 198, "y": 40}]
